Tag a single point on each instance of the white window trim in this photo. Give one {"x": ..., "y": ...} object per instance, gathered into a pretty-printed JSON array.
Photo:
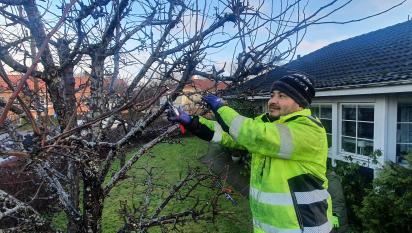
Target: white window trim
[
  {"x": 392, "y": 118},
  {"x": 396, "y": 125},
  {"x": 331, "y": 119},
  {"x": 332, "y": 151},
  {"x": 361, "y": 159}
]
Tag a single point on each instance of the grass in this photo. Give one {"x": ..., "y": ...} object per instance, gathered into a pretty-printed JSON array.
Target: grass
[{"x": 170, "y": 162}]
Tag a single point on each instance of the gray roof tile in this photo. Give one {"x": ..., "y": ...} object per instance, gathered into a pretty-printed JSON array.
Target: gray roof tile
[{"x": 382, "y": 56}]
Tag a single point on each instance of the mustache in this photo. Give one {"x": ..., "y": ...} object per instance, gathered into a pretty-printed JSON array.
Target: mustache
[{"x": 274, "y": 106}]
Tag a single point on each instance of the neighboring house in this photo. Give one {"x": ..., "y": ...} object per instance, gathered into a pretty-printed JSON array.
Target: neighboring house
[
  {"x": 364, "y": 93},
  {"x": 193, "y": 91},
  {"x": 35, "y": 85},
  {"x": 82, "y": 87}
]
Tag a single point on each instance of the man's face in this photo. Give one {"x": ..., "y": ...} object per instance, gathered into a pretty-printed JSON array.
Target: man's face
[{"x": 280, "y": 104}]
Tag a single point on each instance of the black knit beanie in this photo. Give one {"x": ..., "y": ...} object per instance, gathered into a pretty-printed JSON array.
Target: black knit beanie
[{"x": 297, "y": 86}]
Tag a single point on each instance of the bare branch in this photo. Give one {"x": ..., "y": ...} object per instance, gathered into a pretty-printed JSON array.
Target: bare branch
[
  {"x": 36, "y": 60},
  {"x": 136, "y": 157},
  {"x": 360, "y": 19},
  {"x": 14, "y": 208},
  {"x": 54, "y": 183}
]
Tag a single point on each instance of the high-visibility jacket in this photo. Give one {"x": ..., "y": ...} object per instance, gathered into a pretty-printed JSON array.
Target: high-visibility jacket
[{"x": 288, "y": 184}]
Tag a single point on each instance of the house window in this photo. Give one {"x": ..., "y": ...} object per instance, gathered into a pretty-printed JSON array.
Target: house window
[
  {"x": 324, "y": 113},
  {"x": 404, "y": 131},
  {"x": 357, "y": 128}
]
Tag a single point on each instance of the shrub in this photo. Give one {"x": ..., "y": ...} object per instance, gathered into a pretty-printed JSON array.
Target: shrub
[
  {"x": 387, "y": 207},
  {"x": 246, "y": 108},
  {"x": 356, "y": 180},
  {"x": 18, "y": 180}
]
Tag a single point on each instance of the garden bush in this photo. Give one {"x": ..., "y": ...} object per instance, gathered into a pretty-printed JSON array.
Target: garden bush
[
  {"x": 387, "y": 207},
  {"x": 356, "y": 181}
]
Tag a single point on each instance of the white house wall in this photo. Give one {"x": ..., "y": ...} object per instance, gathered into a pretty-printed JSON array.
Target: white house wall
[
  {"x": 391, "y": 128},
  {"x": 381, "y": 125},
  {"x": 400, "y": 88},
  {"x": 385, "y": 122}
]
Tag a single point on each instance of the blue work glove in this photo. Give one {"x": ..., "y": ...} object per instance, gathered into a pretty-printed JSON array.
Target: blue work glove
[
  {"x": 183, "y": 118},
  {"x": 213, "y": 102}
]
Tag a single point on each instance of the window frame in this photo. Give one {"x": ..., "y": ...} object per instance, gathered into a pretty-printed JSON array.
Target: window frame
[
  {"x": 319, "y": 106},
  {"x": 343, "y": 152},
  {"x": 398, "y": 156}
]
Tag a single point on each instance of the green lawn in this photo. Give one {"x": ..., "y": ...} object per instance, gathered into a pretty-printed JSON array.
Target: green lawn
[{"x": 169, "y": 162}]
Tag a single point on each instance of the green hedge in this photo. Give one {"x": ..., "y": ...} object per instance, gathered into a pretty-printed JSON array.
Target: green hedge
[{"x": 387, "y": 207}]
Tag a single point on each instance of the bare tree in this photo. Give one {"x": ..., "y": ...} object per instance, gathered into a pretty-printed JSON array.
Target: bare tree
[{"x": 157, "y": 45}]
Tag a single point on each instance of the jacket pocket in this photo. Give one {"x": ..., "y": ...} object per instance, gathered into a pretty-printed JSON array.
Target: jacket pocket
[{"x": 310, "y": 202}]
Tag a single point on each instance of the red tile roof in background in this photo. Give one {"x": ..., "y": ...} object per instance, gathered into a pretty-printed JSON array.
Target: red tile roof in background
[
  {"x": 79, "y": 81},
  {"x": 15, "y": 79},
  {"x": 201, "y": 84}
]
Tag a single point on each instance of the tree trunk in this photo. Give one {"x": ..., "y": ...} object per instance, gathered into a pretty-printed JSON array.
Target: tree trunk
[
  {"x": 64, "y": 104},
  {"x": 73, "y": 226},
  {"x": 68, "y": 84},
  {"x": 97, "y": 98},
  {"x": 96, "y": 86},
  {"x": 67, "y": 115},
  {"x": 93, "y": 204}
]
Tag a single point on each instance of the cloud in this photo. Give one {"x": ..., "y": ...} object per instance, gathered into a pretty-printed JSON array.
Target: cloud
[{"x": 308, "y": 46}]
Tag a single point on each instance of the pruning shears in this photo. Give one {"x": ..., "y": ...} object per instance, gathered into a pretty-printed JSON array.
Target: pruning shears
[{"x": 175, "y": 111}]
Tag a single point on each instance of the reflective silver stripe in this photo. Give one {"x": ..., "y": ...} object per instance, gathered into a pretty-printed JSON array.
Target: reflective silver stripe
[
  {"x": 310, "y": 197},
  {"x": 271, "y": 229},
  {"x": 217, "y": 136},
  {"x": 286, "y": 145},
  {"x": 235, "y": 126},
  {"x": 286, "y": 199},
  {"x": 324, "y": 228},
  {"x": 271, "y": 198}
]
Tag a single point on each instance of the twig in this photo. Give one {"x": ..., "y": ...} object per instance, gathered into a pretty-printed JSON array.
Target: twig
[
  {"x": 35, "y": 61},
  {"x": 136, "y": 157}
]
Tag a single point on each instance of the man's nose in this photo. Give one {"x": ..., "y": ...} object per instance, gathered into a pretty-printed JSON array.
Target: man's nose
[{"x": 274, "y": 100}]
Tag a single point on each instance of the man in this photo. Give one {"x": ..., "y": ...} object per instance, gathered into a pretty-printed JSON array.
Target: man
[{"x": 288, "y": 185}]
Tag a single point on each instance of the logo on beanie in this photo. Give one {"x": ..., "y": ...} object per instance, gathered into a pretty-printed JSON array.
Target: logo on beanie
[
  {"x": 297, "y": 86},
  {"x": 304, "y": 78},
  {"x": 299, "y": 81}
]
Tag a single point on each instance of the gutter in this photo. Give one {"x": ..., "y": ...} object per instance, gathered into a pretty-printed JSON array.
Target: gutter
[
  {"x": 355, "y": 86},
  {"x": 395, "y": 87}
]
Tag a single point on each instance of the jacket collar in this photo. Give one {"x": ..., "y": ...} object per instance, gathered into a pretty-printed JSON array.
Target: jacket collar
[{"x": 304, "y": 112}]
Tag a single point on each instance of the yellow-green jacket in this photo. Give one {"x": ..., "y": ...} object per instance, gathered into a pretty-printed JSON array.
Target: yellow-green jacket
[{"x": 288, "y": 185}]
